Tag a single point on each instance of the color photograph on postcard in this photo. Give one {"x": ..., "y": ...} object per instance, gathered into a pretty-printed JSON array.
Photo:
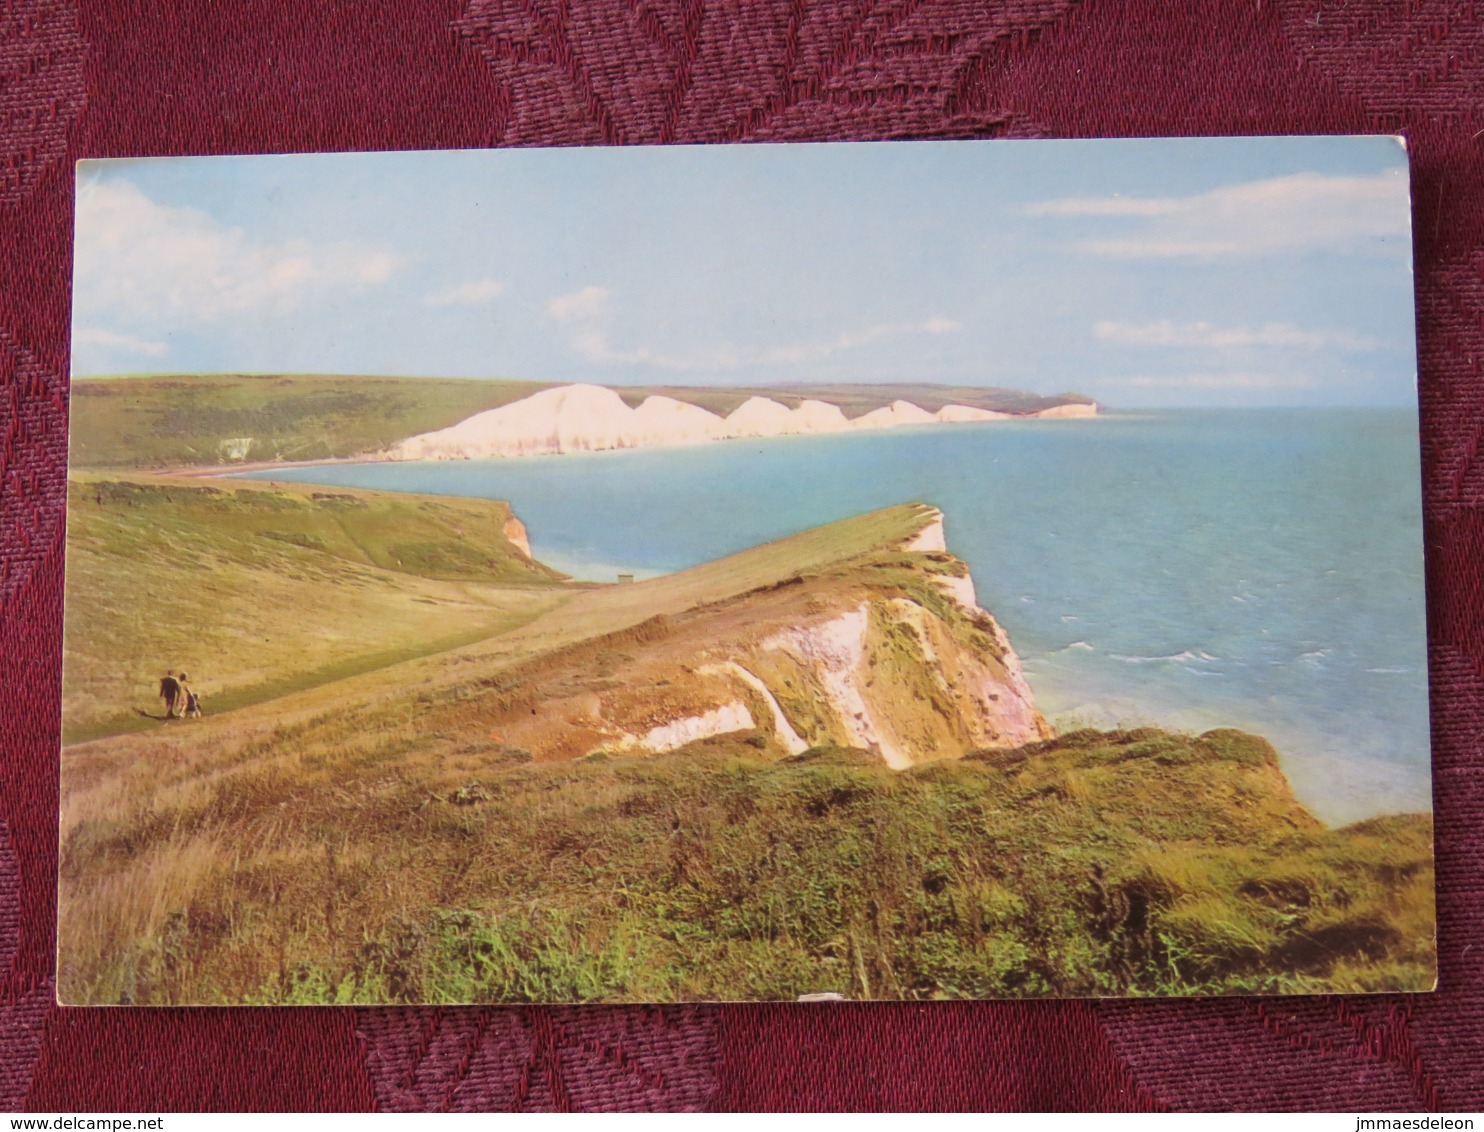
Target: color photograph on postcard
[{"x": 905, "y": 571}]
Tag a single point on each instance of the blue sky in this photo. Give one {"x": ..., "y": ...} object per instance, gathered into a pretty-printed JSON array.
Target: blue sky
[{"x": 1220, "y": 272}]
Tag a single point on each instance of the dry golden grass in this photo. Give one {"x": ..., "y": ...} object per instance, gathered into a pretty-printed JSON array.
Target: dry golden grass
[
  {"x": 372, "y": 869},
  {"x": 373, "y": 839},
  {"x": 258, "y": 591}
]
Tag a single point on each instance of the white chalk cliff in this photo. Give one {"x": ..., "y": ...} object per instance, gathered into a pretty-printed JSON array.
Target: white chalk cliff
[
  {"x": 762, "y": 416},
  {"x": 591, "y": 418},
  {"x": 841, "y": 657},
  {"x": 895, "y": 415}
]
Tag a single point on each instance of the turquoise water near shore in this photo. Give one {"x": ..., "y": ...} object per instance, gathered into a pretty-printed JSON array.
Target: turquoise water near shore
[{"x": 1192, "y": 569}]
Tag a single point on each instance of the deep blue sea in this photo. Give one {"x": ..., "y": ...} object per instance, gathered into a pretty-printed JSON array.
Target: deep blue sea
[{"x": 1255, "y": 569}]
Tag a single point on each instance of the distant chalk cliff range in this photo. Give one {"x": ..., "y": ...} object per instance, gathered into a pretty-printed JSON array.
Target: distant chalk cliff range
[{"x": 590, "y": 418}]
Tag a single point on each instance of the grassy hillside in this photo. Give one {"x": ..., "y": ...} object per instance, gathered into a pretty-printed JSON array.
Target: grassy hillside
[
  {"x": 256, "y": 591},
  {"x": 611, "y": 609},
  {"x": 1096, "y": 864},
  {"x": 387, "y": 836},
  {"x": 931, "y": 676},
  {"x": 155, "y": 422}
]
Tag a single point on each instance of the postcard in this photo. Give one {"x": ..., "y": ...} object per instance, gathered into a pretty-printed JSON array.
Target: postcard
[{"x": 914, "y": 570}]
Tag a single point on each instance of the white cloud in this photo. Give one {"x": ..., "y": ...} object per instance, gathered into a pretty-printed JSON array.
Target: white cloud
[
  {"x": 1206, "y": 335},
  {"x": 160, "y": 266},
  {"x": 99, "y": 340},
  {"x": 1116, "y": 205},
  {"x": 1301, "y": 212},
  {"x": 940, "y": 325},
  {"x": 467, "y": 294},
  {"x": 584, "y": 305},
  {"x": 1237, "y": 380},
  {"x": 376, "y": 268},
  {"x": 594, "y": 346},
  {"x": 100, "y": 350}
]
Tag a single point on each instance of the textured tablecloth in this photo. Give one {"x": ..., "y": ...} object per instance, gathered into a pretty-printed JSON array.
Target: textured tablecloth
[{"x": 129, "y": 77}]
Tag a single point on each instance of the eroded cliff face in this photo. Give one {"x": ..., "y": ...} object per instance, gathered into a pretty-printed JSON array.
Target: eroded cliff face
[
  {"x": 892, "y": 677},
  {"x": 515, "y": 533},
  {"x": 887, "y": 653}
]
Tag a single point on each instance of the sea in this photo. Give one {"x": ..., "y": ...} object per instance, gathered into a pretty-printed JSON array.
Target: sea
[{"x": 1186, "y": 569}]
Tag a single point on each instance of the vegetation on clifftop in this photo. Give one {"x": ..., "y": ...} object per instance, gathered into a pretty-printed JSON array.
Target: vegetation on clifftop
[
  {"x": 256, "y": 591},
  {"x": 184, "y": 420},
  {"x": 1095, "y": 864},
  {"x": 177, "y": 421},
  {"x": 378, "y": 831}
]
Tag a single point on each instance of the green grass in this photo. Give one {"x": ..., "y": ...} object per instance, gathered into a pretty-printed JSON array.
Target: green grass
[
  {"x": 838, "y": 546},
  {"x": 259, "y": 591},
  {"x": 182, "y": 420},
  {"x": 155, "y": 422},
  {"x": 1097, "y": 864},
  {"x": 374, "y": 833}
]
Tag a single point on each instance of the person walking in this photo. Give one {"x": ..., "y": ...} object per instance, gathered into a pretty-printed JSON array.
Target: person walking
[
  {"x": 190, "y": 703},
  {"x": 170, "y": 689}
]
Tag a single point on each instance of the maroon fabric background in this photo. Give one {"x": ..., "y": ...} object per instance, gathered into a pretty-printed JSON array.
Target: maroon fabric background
[{"x": 90, "y": 78}]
